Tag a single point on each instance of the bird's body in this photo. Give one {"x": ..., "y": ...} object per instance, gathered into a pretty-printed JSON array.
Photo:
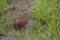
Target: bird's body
[{"x": 21, "y": 20}]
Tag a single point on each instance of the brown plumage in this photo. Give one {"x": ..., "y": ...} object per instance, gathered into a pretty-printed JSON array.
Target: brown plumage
[{"x": 21, "y": 21}]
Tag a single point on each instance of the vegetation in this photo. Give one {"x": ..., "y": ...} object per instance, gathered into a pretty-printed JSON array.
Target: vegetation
[{"x": 46, "y": 15}]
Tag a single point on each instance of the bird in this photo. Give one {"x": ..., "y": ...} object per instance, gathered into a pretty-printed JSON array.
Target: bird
[{"x": 21, "y": 20}]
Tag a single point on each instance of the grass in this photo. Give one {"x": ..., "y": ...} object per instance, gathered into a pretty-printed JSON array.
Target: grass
[
  {"x": 2, "y": 6},
  {"x": 46, "y": 13}
]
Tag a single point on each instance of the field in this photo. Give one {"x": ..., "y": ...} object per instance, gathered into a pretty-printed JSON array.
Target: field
[{"x": 45, "y": 16}]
